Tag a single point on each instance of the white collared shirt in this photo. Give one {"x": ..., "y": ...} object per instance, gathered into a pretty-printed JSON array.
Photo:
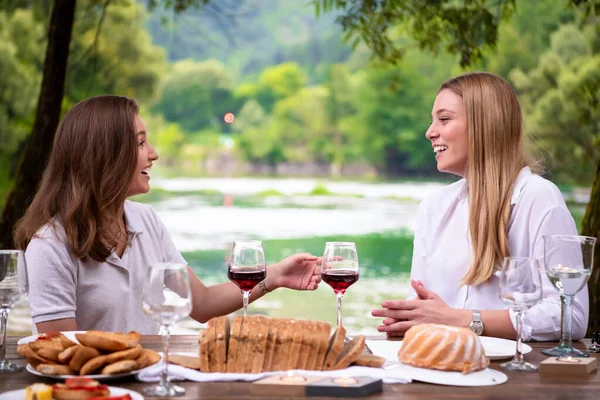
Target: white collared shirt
[
  {"x": 442, "y": 252},
  {"x": 99, "y": 295}
]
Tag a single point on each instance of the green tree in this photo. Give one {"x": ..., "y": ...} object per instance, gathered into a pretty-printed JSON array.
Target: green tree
[
  {"x": 20, "y": 46},
  {"x": 463, "y": 27},
  {"x": 560, "y": 100},
  {"x": 196, "y": 94},
  {"x": 274, "y": 83},
  {"x": 394, "y": 104},
  {"x": 257, "y": 140},
  {"x": 108, "y": 56}
]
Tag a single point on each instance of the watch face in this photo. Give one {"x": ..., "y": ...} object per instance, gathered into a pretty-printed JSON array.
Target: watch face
[{"x": 476, "y": 327}]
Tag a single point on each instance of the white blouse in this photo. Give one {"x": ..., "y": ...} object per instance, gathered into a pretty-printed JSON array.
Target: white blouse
[{"x": 442, "y": 252}]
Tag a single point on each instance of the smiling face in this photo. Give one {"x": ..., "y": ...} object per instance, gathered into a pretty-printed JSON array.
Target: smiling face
[
  {"x": 448, "y": 133},
  {"x": 146, "y": 156}
]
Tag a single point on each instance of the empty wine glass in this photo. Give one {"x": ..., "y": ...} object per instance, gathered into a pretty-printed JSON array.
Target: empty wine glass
[
  {"x": 520, "y": 289},
  {"x": 13, "y": 287},
  {"x": 340, "y": 269},
  {"x": 168, "y": 299},
  {"x": 247, "y": 267},
  {"x": 568, "y": 262}
]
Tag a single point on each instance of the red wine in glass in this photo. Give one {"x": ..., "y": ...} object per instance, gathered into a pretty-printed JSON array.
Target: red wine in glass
[
  {"x": 340, "y": 270},
  {"x": 246, "y": 280},
  {"x": 340, "y": 279}
]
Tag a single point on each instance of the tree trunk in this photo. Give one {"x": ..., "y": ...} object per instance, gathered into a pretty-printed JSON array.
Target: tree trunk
[
  {"x": 35, "y": 155},
  {"x": 590, "y": 226}
]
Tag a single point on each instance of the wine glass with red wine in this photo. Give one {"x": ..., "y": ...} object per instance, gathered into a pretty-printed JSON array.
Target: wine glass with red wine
[
  {"x": 340, "y": 269},
  {"x": 247, "y": 267}
]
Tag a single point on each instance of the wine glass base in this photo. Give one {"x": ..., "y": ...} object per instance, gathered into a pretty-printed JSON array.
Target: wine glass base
[
  {"x": 518, "y": 366},
  {"x": 6, "y": 366},
  {"x": 168, "y": 390},
  {"x": 564, "y": 352}
]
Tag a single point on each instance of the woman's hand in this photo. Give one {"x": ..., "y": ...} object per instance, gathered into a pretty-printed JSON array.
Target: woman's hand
[
  {"x": 428, "y": 307},
  {"x": 299, "y": 271}
]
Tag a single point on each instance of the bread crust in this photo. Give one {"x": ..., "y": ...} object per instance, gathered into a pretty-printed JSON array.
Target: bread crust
[
  {"x": 81, "y": 356},
  {"x": 185, "y": 361},
  {"x": 93, "y": 365},
  {"x": 109, "y": 341},
  {"x": 351, "y": 351},
  {"x": 336, "y": 343},
  {"x": 54, "y": 369},
  {"x": 120, "y": 367},
  {"x": 129, "y": 354},
  {"x": 369, "y": 360},
  {"x": 147, "y": 358}
]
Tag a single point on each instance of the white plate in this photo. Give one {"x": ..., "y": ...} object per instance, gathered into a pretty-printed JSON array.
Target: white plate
[
  {"x": 71, "y": 335},
  {"x": 495, "y": 348},
  {"x": 499, "y": 349},
  {"x": 102, "y": 377},
  {"x": 33, "y": 338},
  {"x": 487, "y": 377},
  {"x": 114, "y": 391}
]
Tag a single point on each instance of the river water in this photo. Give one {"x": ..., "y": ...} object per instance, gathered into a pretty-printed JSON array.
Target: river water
[{"x": 204, "y": 216}]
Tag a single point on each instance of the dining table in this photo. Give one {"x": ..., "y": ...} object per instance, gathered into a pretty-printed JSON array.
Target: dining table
[{"x": 520, "y": 385}]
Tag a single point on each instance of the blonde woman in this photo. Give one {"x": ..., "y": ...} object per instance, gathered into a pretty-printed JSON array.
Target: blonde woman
[{"x": 500, "y": 208}]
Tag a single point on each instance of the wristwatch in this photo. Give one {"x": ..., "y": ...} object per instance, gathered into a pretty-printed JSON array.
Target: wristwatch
[{"x": 476, "y": 324}]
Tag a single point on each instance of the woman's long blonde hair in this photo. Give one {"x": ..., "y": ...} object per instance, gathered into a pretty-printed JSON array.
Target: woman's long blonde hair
[
  {"x": 496, "y": 156},
  {"x": 88, "y": 175}
]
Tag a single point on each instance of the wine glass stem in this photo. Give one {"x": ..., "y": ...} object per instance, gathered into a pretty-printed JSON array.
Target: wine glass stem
[
  {"x": 164, "y": 375},
  {"x": 339, "y": 296},
  {"x": 246, "y": 299},
  {"x": 520, "y": 317},
  {"x": 3, "y": 318},
  {"x": 565, "y": 323}
]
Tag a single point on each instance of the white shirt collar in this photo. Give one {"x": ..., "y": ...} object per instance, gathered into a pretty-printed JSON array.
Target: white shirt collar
[{"x": 134, "y": 222}]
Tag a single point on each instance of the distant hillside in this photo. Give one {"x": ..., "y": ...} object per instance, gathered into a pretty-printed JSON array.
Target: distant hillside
[{"x": 248, "y": 35}]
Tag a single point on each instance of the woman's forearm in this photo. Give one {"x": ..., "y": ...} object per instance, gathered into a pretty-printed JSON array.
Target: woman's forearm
[
  {"x": 221, "y": 299},
  {"x": 496, "y": 323}
]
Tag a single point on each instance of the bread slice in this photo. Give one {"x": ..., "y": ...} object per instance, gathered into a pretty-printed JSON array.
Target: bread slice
[
  {"x": 273, "y": 325},
  {"x": 294, "y": 351},
  {"x": 283, "y": 341},
  {"x": 82, "y": 356},
  {"x": 308, "y": 340},
  {"x": 129, "y": 354},
  {"x": 54, "y": 369},
  {"x": 369, "y": 360},
  {"x": 94, "y": 365},
  {"x": 203, "y": 350},
  {"x": 336, "y": 343},
  {"x": 245, "y": 355},
  {"x": 319, "y": 346},
  {"x": 147, "y": 358},
  {"x": 259, "y": 344},
  {"x": 211, "y": 349},
  {"x": 65, "y": 356},
  {"x": 234, "y": 343},
  {"x": 222, "y": 333},
  {"x": 109, "y": 341},
  {"x": 351, "y": 351},
  {"x": 185, "y": 361},
  {"x": 66, "y": 342}
]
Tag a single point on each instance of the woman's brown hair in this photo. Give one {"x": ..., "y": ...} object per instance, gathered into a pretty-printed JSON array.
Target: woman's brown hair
[
  {"x": 88, "y": 175},
  {"x": 496, "y": 156}
]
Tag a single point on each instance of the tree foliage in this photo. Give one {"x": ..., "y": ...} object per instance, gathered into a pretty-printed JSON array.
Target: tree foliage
[
  {"x": 560, "y": 98},
  {"x": 463, "y": 27}
]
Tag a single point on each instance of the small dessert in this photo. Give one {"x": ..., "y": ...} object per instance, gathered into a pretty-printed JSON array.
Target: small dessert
[
  {"x": 79, "y": 389},
  {"x": 38, "y": 391},
  {"x": 443, "y": 347}
]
